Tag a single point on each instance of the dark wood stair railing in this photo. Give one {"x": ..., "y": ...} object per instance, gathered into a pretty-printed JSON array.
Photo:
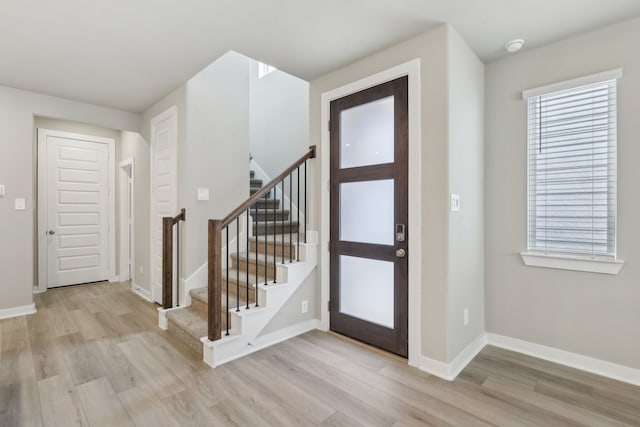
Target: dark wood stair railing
[
  {"x": 167, "y": 258},
  {"x": 217, "y": 226}
]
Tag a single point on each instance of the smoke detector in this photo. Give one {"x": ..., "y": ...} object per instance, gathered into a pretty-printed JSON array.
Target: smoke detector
[{"x": 514, "y": 45}]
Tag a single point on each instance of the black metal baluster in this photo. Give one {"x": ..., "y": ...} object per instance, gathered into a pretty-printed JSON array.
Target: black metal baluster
[
  {"x": 238, "y": 262},
  {"x": 290, "y": 215},
  {"x": 305, "y": 201},
  {"x": 227, "y": 279},
  {"x": 247, "y": 246},
  {"x": 178, "y": 264},
  {"x": 266, "y": 234},
  {"x": 298, "y": 216},
  {"x": 281, "y": 225},
  {"x": 275, "y": 234},
  {"x": 256, "y": 248}
]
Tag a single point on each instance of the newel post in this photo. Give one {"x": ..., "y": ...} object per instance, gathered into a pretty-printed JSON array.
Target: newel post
[
  {"x": 215, "y": 279},
  {"x": 167, "y": 262}
]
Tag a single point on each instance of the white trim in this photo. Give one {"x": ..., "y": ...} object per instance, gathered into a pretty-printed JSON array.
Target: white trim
[
  {"x": 577, "y": 82},
  {"x": 411, "y": 69},
  {"x": 572, "y": 262},
  {"x": 449, "y": 371},
  {"x": 562, "y": 357},
  {"x": 172, "y": 114},
  {"x": 127, "y": 254},
  {"x": 8, "y": 313},
  {"x": 42, "y": 201},
  {"x": 142, "y": 293}
]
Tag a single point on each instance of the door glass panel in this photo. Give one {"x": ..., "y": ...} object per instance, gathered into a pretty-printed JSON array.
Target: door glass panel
[
  {"x": 367, "y": 134},
  {"x": 366, "y": 212},
  {"x": 366, "y": 289}
]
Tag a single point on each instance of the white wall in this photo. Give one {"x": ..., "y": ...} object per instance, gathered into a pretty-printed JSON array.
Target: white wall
[
  {"x": 17, "y": 171},
  {"x": 278, "y": 119},
  {"x": 432, "y": 48},
  {"x": 586, "y": 313},
  {"x": 217, "y": 149},
  {"x": 134, "y": 146},
  {"x": 466, "y": 178}
]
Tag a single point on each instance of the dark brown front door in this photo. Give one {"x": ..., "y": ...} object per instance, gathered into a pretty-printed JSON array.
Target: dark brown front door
[{"x": 369, "y": 235}]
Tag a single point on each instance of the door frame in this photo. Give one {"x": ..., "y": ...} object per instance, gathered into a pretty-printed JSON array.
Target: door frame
[
  {"x": 170, "y": 113},
  {"x": 412, "y": 70},
  {"x": 42, "y": 201},
  {"x": 127, "y": 234}
]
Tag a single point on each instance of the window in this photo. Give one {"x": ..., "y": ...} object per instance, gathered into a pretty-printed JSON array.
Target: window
[
  {"x": 572, "y": 167},
  {"x": 264, "y": 69}
]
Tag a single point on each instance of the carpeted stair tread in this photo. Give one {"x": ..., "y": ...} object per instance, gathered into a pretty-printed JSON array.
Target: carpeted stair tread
[
  {"x": 252, "y": 174},
  {"x": 271, "y": 227},
  {"x": 189, "y": 321},
  {"x": 255, "y": 182},
  {"x": 269, "y": 214},
  {"x": 263, "y": 203}
]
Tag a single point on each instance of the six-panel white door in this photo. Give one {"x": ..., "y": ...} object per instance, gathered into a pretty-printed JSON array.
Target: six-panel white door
[{"x": 76, "y": 229}]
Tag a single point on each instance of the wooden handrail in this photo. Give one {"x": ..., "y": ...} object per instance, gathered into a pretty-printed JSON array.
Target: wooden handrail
[
  {"x": 167, "y": 257},
  {"x": 214, "y": 267},
  {"x": 311, "y": 154}
]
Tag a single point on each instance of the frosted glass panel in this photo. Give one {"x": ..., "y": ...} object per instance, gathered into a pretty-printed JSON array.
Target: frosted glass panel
[
  {"x": 366, "y": 212},
  {"x": 366, "y": 134},
  {"x": 366, "y": 289}
]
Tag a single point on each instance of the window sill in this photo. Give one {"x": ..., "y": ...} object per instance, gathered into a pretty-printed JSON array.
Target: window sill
[{"x": 569, "y": 262}]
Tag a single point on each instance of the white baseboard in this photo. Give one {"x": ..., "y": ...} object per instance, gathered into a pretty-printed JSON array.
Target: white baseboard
[
  {"x": 270, "y": 339},
  {"x": 142, "y": 293},
  {"x": 8, "y": 313},
  {"x": 578, "y": 361},
  {"x": 449, "y": 371}
]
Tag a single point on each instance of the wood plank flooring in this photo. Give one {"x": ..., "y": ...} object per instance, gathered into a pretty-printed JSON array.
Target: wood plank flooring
[{"x": 93, "y": 355}]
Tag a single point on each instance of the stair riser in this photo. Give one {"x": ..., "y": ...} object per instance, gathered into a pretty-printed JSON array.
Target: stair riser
[
  {"x": 253, "y": 191},
  {"x": 233, "y": 288},
  {"x": 269, "y": 215},
  {"x": 255, "y": 182},
  {"x": 269, "y": 203},
  {"x": 186, "y": 338},
  {"x": 242, "y": 266},
  {"x": 263, "y": 229},
  {"x": 199, "y": 307},
  {"x": 289, "y": 251}
]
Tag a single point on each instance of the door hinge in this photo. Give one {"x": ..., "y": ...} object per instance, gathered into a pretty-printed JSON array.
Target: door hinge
[
  {"x": 329, "y": 246},
  {"x": 329, "y": 125},
  {"x": 328, "y": 305}
]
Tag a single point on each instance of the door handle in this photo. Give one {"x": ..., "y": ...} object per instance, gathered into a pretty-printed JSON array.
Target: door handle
[
  {"x": 52, "y": 231},
  {"x": 401, "y": 253}
]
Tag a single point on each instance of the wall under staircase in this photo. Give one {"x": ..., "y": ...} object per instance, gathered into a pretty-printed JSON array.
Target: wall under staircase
[{"x": 257, "y": 311}]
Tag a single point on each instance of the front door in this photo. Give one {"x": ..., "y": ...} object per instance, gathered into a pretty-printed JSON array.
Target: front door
[
  {"x": 369, "y": 199},
  {"x": 75, "y": 216}
]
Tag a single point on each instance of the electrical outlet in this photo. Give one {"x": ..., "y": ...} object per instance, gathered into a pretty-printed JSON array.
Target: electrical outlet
[
  {"x": 455, "y": 202},
  {"x": 466, "y": 316},
  {"x": 305, "y": 306}
]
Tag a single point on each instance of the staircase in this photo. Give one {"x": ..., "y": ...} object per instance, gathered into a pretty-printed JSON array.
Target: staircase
[{"x": 250, "y": 273}]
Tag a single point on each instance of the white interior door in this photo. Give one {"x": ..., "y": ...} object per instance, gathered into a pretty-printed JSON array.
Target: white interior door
[
  {"x": 74, "y": 203},
  {"x": 164, "y": 142}
]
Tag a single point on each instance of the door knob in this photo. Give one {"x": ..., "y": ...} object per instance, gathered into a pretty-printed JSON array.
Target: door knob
[
  {"x": 401, "y": 253},
  {"x": 52, "y": 231}
]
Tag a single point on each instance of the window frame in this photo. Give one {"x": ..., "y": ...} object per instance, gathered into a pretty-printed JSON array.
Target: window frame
[{"x": 607, "y": 264}]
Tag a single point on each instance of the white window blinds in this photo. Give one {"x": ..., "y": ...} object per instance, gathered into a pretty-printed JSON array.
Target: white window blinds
[{"x": 572, "y": 170}]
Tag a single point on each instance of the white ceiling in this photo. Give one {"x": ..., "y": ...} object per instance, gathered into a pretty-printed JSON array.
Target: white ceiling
[{"x": 127, "y": 54}]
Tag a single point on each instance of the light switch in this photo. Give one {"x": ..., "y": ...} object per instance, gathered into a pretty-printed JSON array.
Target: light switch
[
  {"x": 455, "y": 202},
  {"x": 21, "y": 204},
  {"x": 203, "y": 194},
  {"x": 2, "y": 191}
]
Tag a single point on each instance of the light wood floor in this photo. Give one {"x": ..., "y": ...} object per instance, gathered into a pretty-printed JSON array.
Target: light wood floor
[{"x": 93, "y": 355}]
